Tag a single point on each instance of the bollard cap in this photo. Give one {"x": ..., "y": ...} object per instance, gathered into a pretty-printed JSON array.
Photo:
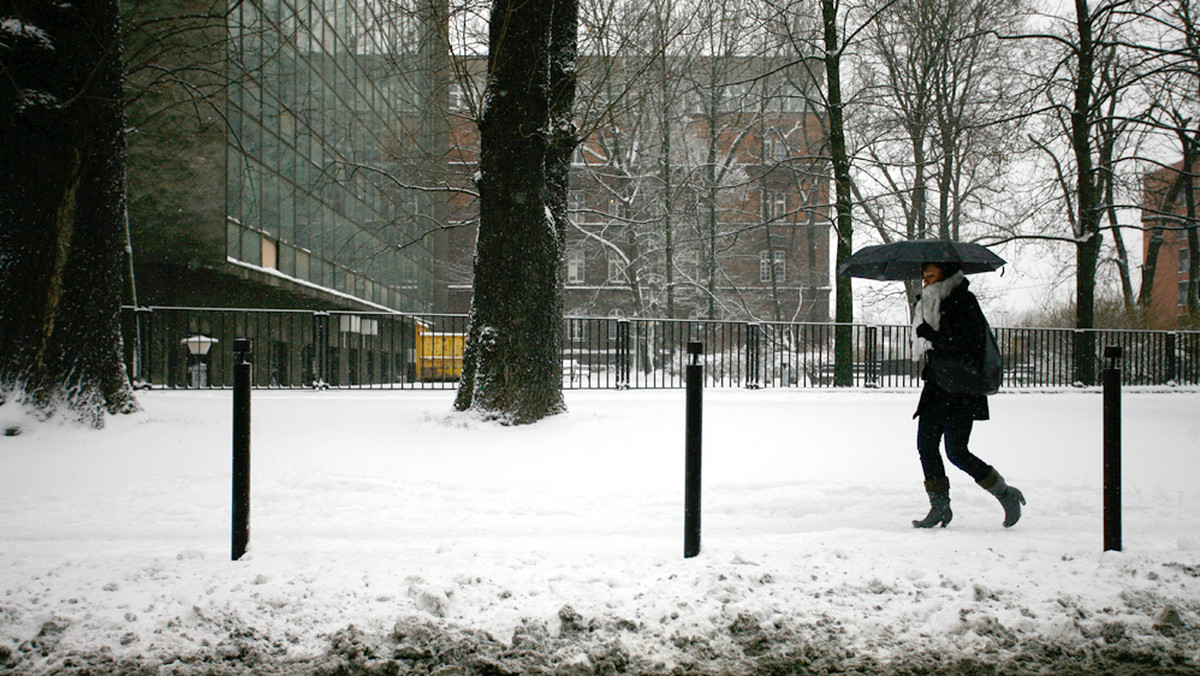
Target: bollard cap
[
  {"x": 695, "y": 347},
  {"x": 243, "y": 345}
]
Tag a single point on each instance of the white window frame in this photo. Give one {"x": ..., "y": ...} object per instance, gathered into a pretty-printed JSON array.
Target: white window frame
[
  {"x": 616, "y": 270},
  {"x": 576, "y": 330},
  {"x": 576, "y": 267},
  {"x": 764, "y": 266},
  {"x": 458, "y": 99},
  {"x": 775, "y": 205},
  {"x": 775, "y": 147},
  {"x": 778, "y": 205}
]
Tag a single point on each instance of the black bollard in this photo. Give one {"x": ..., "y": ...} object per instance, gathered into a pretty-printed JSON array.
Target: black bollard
[
  {"x": 241, "y": 447},
  {"x": 695, "y": 406},
  {"x": 1112, "y": 448}
]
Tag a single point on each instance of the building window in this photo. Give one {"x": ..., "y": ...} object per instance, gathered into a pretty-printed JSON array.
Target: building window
[
  {"x": 1183, "y": 262},
  {"x": 575, "y": 265},
  {"x": 615, "y": 316},
  {"x": 616, "y": 271},
  {"x": 764, "y": 266},
  {"x": 270, "y": 256},
  {"x": 251, "y": 247},
  {"x": 613, "y": 208},
  {"x": 302, "y": 265},
  {"x": 776, "y": 205},
  {"x": 1183, "y": 290},
  {"x": 779, "y": 207},
  {"x": 326, "y": 96},
  {"x": 576, "y": 330},
  {"x": 774, "y": 147},
  {"x": 576, "y": 206}
]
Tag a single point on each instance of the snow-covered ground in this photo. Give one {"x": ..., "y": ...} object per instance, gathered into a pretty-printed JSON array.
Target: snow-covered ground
[{"x": 392, "y": 535}]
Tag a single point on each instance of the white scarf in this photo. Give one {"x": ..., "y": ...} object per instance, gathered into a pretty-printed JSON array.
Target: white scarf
[{"x": 929, "y": 310}]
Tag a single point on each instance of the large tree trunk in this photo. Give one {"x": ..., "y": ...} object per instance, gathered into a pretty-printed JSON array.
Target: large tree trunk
[
  {"x": 1188, "y": 188},
  {"x": 843, "y": 346},
  {"x": 512, "y": 368},
  {"x": 61, "y": 207},
  {"x": 1087, "y": 234}
]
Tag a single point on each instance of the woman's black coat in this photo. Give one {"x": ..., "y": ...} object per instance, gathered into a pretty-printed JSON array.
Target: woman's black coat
[{"x": 962, "y": 334}]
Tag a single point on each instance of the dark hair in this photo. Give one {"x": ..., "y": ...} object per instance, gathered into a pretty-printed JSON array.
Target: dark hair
[{"x": 947, "y": 268}]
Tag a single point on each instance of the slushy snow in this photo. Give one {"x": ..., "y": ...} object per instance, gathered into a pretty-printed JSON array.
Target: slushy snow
[{"x": 390, "y": 534}]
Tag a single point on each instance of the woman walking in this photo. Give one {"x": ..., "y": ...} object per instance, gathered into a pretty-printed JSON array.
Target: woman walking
[{"x": 949, "y": 325}]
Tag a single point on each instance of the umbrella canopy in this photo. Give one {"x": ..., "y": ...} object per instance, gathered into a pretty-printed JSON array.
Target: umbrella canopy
[{"x": 903, "y": 260}]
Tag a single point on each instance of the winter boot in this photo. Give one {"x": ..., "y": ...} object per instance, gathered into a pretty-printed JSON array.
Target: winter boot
[
  {"x": 1010, "y": 498},
  {"x": 939, "y": 504}
]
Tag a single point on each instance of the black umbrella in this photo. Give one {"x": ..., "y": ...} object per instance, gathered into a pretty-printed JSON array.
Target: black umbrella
[{"x": 903, "y": 260}]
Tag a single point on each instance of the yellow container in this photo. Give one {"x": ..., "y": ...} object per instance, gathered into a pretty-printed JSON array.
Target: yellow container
[{"x": 439, "y": 355}]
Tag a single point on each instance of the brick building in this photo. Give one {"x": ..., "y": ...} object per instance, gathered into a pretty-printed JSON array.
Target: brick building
[
  {"x": 714, "y": 206},
  {"x": 1164, "y": 237}
]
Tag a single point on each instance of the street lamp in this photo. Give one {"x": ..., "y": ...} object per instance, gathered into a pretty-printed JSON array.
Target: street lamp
[{"x": 198, "y": 346}]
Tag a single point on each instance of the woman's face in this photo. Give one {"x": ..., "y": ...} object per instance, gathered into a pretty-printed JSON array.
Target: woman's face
[{"x": 931, "y": 273}]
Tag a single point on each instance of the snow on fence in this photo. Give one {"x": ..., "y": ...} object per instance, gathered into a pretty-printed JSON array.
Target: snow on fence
[{"x": 179, "y": 347}]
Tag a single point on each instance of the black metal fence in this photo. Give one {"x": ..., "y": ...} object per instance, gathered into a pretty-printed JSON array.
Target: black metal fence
[{"x": 193, "y": 348}]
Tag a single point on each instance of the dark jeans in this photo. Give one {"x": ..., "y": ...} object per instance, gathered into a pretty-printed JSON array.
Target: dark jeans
[{"x": 958, "y": 434}]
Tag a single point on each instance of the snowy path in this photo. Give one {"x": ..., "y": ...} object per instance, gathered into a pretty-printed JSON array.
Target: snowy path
[{"x": 449, "y": 542}]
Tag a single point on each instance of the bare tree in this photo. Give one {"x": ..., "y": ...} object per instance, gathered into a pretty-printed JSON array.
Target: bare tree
[
  {"x": 909, "y": 38},
  {"x": 834, "y": 43},
  {"x": 823, "y": 37},
  {"x": 1081, "y": 87},
  {"x": 718, "y": 83},
  {"x": 1173, "y": 77},
  {"x": 946, "y": 112},
  {"x": 697, "y": 143},
  {"x": 62, "y": 200},
  {"x": 618, "y": 210}
]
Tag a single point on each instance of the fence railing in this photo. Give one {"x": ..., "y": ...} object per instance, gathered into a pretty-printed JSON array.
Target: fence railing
[{"x": 173, "y": 347}]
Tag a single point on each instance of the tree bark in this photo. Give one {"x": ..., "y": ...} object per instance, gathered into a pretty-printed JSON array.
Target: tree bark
[
  {"x": 1107, "y": 189},
  {"x": 62, "y": 200},
  {"x": 1087, "y": 234},
  {"x": 844, "y": 302},
  {"x": 512, "y": 368},
  {"x": 665, "y": 169},
  {"x": 1193, "y": 238}
]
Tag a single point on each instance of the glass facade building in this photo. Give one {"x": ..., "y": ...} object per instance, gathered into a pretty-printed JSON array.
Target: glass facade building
[{"x": 321, "y": 113}]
